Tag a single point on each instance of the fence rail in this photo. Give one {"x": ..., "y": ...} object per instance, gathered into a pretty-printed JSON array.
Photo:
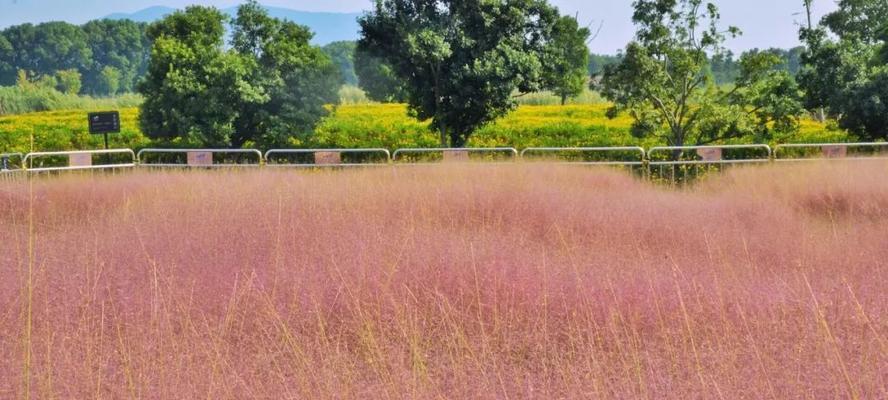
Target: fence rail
[
  {"x": 606, "y": 154},
  {"x": 453, "y": 155},
  {"x": 679, "y": 162},
  {"x": 80, "y": 160},
  {"x": 705, "y": 154},
  {"x": 329, "y": 158},
  {"x": 830, "y": 151},
  {"x": 199, "y": 158}
]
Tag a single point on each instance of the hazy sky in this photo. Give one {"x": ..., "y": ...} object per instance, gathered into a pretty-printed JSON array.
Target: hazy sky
[{"x": 765, "y": 23}]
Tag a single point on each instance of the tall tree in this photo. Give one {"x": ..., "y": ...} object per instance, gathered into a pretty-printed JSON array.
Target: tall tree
[
  {"x": 566, "y": 59},
  {"x": 845, "y": 67},
  {"x": 662, "y": 82},
  {"x": 122, "y": 45},
  {"x": 460, "y": 61},
  {"x": 42, "y": 50},
  {"x": 270, "y": 86}
]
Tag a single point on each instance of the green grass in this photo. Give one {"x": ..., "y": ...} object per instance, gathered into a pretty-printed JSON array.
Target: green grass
[{"x": 22, "y": 100}]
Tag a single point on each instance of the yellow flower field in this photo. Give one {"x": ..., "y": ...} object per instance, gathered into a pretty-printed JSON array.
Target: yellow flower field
[{"x": 376, "y": 125}]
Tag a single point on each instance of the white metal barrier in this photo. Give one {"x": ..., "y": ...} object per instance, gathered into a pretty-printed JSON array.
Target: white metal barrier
[
  {"x": 830, "y": 151},
  {"x": 327, "y": 158},
  {"x": 706, "y": 155},
  {"x": 455, "y": 155},
  {"x": 80, "y": 160},
  {"x": 685, "y": 163},
  {"x": 637, "y": 154},
  {"x": 199, "y": 158}
]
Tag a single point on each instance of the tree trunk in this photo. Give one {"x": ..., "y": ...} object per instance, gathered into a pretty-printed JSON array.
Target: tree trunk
[
  {"x": 563, "y": 99},
  {"x": 678, "y": 140},
  {"x": 443, "y": 136},
  {"x": 456, "y": 140}
]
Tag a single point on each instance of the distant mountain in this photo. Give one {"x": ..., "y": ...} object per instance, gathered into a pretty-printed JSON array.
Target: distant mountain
[
  {"x": 149, "y": 14},
  {"x": 327, "y": 27}
]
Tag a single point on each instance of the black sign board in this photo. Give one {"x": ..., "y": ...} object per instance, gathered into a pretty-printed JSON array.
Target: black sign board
[{"x": 104, "y": 122}]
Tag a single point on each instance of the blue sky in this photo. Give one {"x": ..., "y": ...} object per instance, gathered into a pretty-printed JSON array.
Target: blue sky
[{"x": 765, "y": 23}]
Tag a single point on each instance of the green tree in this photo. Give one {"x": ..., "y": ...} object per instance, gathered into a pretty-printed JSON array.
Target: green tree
[
  {"x": 342, "y": 54},
  {"x": 68, "y": 81},
  {"x": 597, "y": 63},
  {"x": 663, "y": 84},
  {"x": 42, "y": 49},
  {"x": 122, "y": 45},
  {"x": 566, "y": 59},
  {"x": 377, "y": 78},
  {"x": 109, "y": 81},
  {"x": 460, "y": 61},
  {"x": 298, "y": 80},
  {"x": 268, "y": 87},
  {"x": 845, "y": 67}
]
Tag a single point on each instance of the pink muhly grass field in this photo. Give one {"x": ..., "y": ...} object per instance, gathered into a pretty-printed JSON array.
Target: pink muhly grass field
[{"x": 519, "y": 281}]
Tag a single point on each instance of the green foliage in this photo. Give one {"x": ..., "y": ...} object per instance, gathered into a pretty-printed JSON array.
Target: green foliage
[
  {"x": 566, "y": 59},
  {"x": 859, "y": 20},
  {"x": 845, "y": 70},
  {"x": 42, "y": 50},
  {"x": 343, "y": 55},
  {"x": 47, "y": 48},
  {"x": 269, "y": 87},
  {"x": 725, "y": 68},
  {"x": 122, "y": 45},
  {"x": 34, "y": 98},
  {"x": 597, "y": 63},
  {"x": 351, "y": 95},
  {"x": 68, "y": 81},
  {"x": 460, "y": 62},
  {"x": 109, "y": 81},
  {"x": 545, "y": 98},
  {"x": 662, "y": 80},
  {"x": 377, "y": 78}
]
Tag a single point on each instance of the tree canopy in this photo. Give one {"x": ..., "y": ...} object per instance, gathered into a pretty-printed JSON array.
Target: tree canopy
[
  {"x": 269, "y": 88},
  {"x": 662, "y": 80},
  {"x": 45, "y": 49},
  {"x": 566, "y": 59},
  {"x": 461, "y": 62},
  {"x": 845, "y": 71}
]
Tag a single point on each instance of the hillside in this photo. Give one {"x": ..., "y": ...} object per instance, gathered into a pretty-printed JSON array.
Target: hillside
[{"x": 327, "y": 26}]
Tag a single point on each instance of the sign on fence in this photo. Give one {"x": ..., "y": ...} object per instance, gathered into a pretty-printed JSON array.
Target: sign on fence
[
  {"x": 710, "y": 154},
  {"x": 328, "y": 158},
  {"x": 835, "y": 151},
  {"x": 200, "y": 158},
  {"x": 79, "y": 160}
]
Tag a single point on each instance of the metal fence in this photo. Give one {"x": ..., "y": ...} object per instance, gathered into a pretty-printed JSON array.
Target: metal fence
[
  {"x": 447, "y": 155},
  {"x": 683, "y": 163},
  {"x": 632, "y": 159},
  {"x": 79, "y": 160},
  {"x": 673, "y": 164},
  {"x": 830, "y": 151},
  {"x": 200, "y": 158},
  {"x": 327, "y": 158}
]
